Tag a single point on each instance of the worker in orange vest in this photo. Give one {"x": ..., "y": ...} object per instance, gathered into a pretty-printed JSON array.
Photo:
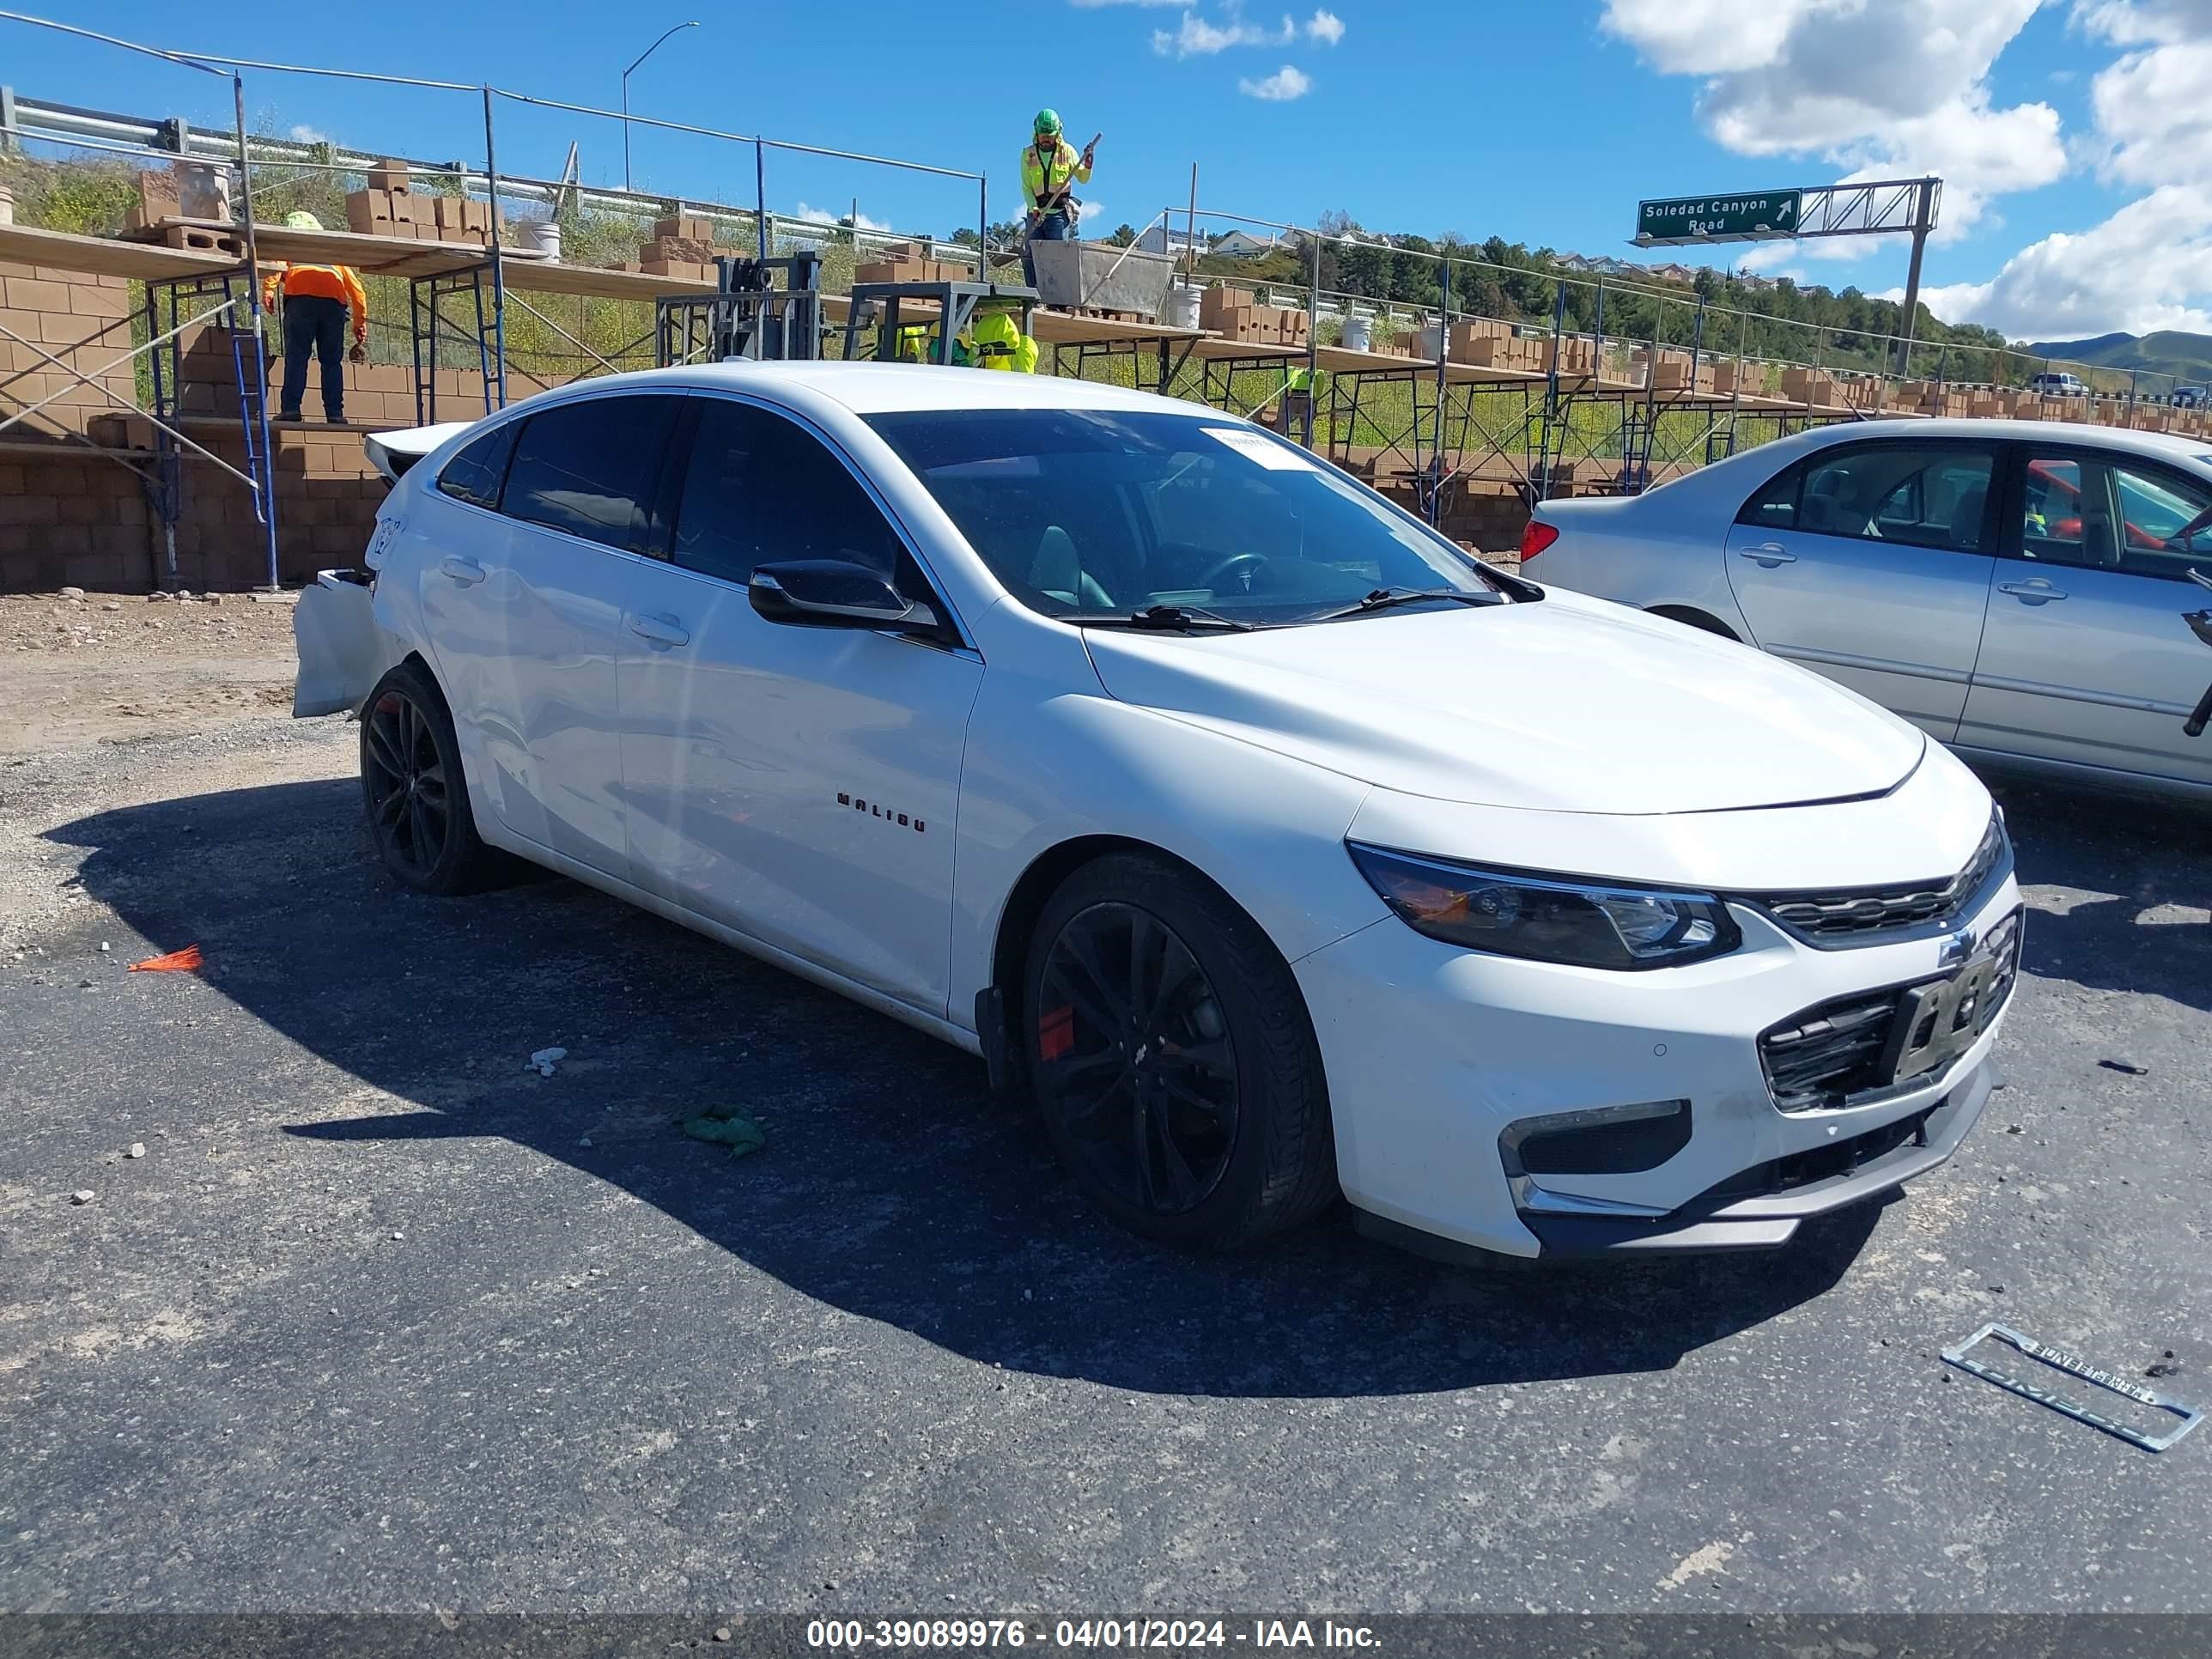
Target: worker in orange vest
[{"x": 316, "y": 300}]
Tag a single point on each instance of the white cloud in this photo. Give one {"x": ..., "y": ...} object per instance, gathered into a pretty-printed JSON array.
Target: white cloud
[
  {"x": 2136, "y": 22},
  {"x": 2155, "y": 113},
  {"x": 815, "y": 215},
  {"x": 1705, "y": 37},
  {"x": 1280, "y": 87},
  {"x": 2148, "y": 266},
  {"x": 1326, "y": 27},
  {"x": 1878, "y": 88},
  {"x": 1195, "y": 37},
  {"x": 304, "y": 134}
]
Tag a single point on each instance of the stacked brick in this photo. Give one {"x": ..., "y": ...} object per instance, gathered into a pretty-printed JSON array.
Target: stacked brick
[
  {"x": 682, "y": 246},
  {"x": 1672, "y": 370},
  {"x": 1235, "y": 313},
  {"x": 910, "y": 262},
  {"x": 1481, "y": 342},
  {"x": 391, "y": 206}
]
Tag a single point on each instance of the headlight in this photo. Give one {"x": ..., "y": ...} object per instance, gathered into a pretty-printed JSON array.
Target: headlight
[{"x": 1586, "y": 924}]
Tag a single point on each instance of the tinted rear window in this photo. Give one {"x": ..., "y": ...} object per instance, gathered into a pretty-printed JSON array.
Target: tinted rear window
[
  {"x": 476, "y": 473},
  {"x": 585, "y": 467}
]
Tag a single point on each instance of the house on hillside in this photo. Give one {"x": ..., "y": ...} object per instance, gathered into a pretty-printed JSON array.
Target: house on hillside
[
  {"x": 1161, "y": 239},
  {"x": 1242, "y": 245},
  {"x": 1672, "y": 273}
]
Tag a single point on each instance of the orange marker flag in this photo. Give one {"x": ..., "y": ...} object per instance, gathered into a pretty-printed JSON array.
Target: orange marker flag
[{"x": 177, "y": 962}]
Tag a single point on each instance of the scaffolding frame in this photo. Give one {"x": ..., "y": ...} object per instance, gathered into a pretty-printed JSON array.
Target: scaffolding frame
[{"x": 252, "y": 368}]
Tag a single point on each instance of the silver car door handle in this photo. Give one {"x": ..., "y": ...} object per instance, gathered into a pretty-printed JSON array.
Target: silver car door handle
[
  {"x": 661, "y": 631},
  {"x": 1769, "y": 554},
  {"x": 467, "y": 572},
  {"x": 2034, "y": 593}
]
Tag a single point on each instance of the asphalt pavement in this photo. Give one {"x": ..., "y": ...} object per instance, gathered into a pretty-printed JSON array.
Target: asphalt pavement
[{"x": 385, "y": 1320}]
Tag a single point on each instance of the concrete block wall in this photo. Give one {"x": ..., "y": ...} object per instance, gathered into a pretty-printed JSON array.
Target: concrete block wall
[
  {"x": 73, "y": 520},
  {"x": 84, "y": 321},
  {"x": 327, "y": 495},
  {"x": 376, "y": 394},
  {"x": 70, "y": 517}
]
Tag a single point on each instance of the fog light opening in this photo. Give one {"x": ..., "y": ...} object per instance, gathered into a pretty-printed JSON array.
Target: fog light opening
[{"x": 1599, "y": 1140}]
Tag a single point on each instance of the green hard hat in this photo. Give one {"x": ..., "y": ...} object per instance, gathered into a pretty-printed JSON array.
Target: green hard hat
[
  {"x": 302, "y": 222},
  {"x": 1048, "y": 122}
]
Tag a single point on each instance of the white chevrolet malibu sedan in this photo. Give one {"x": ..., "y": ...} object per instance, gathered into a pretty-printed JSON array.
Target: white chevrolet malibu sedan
[{"x": 1273, "y": 847}]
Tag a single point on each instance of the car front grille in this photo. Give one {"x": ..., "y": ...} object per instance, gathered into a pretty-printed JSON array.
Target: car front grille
[
  {"x": 1837, "y": 1053},
  {"x": 1882, "y": 916}
]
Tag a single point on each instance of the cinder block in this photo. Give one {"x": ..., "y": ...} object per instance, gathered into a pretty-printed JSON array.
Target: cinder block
[
  {"x": 30, "y": 293},
  {"x": 389, "y": 174}
]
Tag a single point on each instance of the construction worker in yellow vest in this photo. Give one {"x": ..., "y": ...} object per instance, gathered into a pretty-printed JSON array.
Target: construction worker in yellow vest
[
  {"x": 316, "y": 300},
  {"x": 1050, "y": 171},
  {"x": 996, "y": 341}
]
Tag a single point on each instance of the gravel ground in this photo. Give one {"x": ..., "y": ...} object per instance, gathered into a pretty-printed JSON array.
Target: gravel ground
[
  {"x": 80, "y": 668},
  {"x": 384, "y": 1320}
]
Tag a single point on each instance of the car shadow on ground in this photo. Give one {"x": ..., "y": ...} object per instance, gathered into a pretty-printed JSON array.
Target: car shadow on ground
[
  {"x": 893, "y": 1185},
  {"x": 2148, "y": 867}
]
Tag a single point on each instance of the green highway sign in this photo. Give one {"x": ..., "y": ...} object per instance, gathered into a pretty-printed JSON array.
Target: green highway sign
[{"x": 1747, "y": 216}]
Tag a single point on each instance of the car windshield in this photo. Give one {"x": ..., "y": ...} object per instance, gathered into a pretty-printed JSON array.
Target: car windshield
[{"x": 1098, "y": 514}]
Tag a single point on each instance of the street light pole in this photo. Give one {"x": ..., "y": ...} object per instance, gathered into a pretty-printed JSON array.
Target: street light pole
[{"x": 641, "y": 56}]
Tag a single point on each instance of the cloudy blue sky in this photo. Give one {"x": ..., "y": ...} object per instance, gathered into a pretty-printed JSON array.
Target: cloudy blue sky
[{"x": 2074, "y": 136}]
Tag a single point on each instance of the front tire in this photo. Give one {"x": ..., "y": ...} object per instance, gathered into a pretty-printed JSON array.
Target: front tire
[
  {"x": 1171, "y": 1054},
  {"x": 413, "y": 789}
]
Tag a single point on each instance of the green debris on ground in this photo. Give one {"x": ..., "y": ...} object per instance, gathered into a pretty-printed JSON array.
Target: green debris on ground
[{"x": 726, "y": 1126}]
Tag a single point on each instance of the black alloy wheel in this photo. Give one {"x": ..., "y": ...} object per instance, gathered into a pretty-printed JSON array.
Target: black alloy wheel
[
  {"x": 1170, "y": 1052},
  {"x": 412, "y": 785},
  {"x": 410, "y": 799},
  {"x": 1135, "y": 1060}
]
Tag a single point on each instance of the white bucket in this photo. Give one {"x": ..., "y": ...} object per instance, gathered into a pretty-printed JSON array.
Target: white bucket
[
  {"x": 1358, "y": 332},
  {"x": 1430, "y": 345},
  {"x": 1182, "y": 306},
  {"x": 540, "y": 236}
]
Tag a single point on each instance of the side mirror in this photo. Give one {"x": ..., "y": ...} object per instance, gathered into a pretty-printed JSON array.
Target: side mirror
[{"x": 833, "y": 593}]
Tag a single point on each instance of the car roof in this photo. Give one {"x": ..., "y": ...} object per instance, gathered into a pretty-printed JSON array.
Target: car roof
[
  {"x": 871, "y": 388},
  {"x": 2163, "y": 445}
]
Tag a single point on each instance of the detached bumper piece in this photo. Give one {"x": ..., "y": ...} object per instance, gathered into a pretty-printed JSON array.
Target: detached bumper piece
[{"x": 1762, "y": 1208}]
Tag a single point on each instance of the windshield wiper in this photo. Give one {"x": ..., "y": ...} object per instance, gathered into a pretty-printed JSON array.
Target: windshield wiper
[
  {"x": 1382, "y": 598},
  {"x": 1168, "y": 618}
]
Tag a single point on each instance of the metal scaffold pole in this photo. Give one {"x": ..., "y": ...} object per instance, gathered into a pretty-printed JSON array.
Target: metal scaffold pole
[
  {"x": 259, "y": 415},
  {"x": 498, "y": 276}
]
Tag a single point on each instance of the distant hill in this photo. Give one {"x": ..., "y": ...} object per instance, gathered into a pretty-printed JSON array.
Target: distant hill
[{"x": 2186, "y": 356}]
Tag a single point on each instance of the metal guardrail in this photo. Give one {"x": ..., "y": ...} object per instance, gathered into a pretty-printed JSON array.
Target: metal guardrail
[{"x": 35, "y": 120}]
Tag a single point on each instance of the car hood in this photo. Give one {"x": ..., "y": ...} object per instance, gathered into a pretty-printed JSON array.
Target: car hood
[{"x": 1569, "y": 704}]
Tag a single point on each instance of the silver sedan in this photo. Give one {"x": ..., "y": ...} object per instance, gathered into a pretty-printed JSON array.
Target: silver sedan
[{"x": 2028, "y": 591}]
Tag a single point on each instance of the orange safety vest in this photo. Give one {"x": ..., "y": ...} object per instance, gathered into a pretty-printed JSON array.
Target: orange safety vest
[{"x": 319, "y": 281}]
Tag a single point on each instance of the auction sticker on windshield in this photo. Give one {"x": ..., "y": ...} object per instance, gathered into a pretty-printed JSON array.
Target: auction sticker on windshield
[{"x": 1276, "y": 458}]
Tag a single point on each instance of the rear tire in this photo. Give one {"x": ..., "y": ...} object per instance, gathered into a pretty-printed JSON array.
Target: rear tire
[
  {"x": 413, "y": 789},
  {"x": 1171, "y": 1054}
]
